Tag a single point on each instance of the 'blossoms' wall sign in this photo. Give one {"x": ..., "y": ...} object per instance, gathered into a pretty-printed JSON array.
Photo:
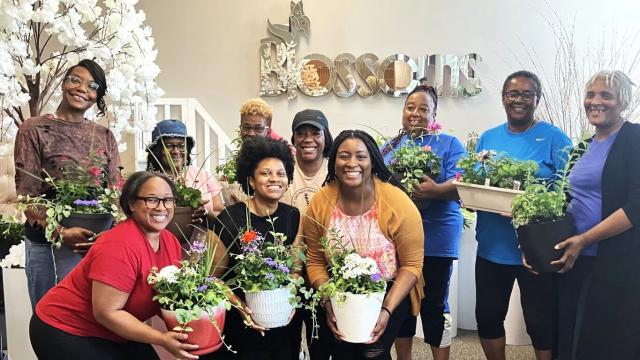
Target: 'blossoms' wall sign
[{"x": 345, "y": 75}]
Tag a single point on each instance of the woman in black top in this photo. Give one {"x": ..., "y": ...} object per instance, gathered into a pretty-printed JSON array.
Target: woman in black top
[{"x": 265, "y": 169}]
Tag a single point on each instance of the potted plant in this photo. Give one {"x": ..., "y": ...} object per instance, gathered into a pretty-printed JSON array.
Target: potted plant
[
  {"x": 265, "y": 271},
  {"x": 187, "y": 201},
  {"x": 355, "y": 288},
  {"x": 541, "y": 221},
  {"x": 191, "y": 299},
  {"x": 84, "y": 197},
  {"x": 231, "y": 190},
  {"x": 492, "y": 180},
  {"x": 411, "y": 162}
]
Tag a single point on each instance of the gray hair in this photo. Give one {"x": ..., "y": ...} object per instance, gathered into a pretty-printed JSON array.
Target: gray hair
[{"x": 617, "y": 80}]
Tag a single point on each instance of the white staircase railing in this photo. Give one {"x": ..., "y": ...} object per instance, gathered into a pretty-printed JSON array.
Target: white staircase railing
[{"x": 212, "y": 144}]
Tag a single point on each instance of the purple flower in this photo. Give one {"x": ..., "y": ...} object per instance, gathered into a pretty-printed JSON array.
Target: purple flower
[
  {"x": 283, "y": 268},
  {"x": 270, "y": 276},
  {"x": 376, "y": 277},
  {"x": 81, "y": 202},
  {"x": 211, "y": 279},
  {"x": 202, "y": 288},
  {"x": 198, "y": 247},
  {"x": 270, "y": 262}
]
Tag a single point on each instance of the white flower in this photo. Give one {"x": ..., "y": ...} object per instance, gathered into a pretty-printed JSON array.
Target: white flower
[
  {"x": 168, "y": 274},
  {"x": 16, "y": 257},
  {"x": 356, "y": 266}
]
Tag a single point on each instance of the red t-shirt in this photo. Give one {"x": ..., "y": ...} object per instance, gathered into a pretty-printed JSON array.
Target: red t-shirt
[{"x": 122, "y": 258}]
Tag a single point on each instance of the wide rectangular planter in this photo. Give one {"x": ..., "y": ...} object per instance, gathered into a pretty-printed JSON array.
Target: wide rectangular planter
[{"x": 486, "y": 198}]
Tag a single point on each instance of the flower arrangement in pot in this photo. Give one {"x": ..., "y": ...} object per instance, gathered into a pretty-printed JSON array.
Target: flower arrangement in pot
[
  {"x": 541, "y": 221},
  {"x": 411, "y": 162},
  {"x": 82, "y": 197},
  {"x": 187, "y": 201},
  {"x": 267, "y": 273},
  {"x": 227, "y": 173},
  {"x": 355, "y": 288},
  {"x": 191, "y": 299},
  {"x": 492, "y": 180}
]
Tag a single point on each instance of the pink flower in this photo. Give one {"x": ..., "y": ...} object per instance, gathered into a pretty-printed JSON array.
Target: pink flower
[
  {"x": 434, "y": 127},
  {"x": 95, "y": 171},
  {"x": 426, "y": 148}
]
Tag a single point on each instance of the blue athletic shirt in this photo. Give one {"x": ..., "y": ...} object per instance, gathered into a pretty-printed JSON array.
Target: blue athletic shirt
[
  {"x": 543, "y": 143},
  {"x": 442, "y": 220}
]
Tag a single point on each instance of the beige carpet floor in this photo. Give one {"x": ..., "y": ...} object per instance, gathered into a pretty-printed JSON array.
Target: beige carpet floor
[{"x": 466, "y": 346}]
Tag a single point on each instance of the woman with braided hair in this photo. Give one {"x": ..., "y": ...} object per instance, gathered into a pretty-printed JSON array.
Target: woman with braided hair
[{"x": 441, "y": 220}]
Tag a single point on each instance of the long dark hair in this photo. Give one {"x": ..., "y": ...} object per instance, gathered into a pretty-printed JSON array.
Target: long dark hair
[
  {"x": 98, "y": 76},
  {"x": 378, "y": 167}
]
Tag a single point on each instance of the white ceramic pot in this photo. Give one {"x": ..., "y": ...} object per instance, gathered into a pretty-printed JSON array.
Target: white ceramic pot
[
  {"x": 486, "y": 198},
  {"x": 271, "y": 308},
  {"x": 357, "y": 314}
]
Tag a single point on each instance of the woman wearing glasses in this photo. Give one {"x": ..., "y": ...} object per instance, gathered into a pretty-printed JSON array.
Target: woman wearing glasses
[
  {"x": 170, "y": 152},
  {"x": 97, "y": 312},
  {"x": 44, "y": 146},
  {"x": 441, "y": 220},
  {"x": 255, "y": 120},
  {"x": 499, "y": 259}
]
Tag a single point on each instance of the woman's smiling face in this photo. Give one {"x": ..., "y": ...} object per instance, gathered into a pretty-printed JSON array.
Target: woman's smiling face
[{"x": 353, "y": 163}]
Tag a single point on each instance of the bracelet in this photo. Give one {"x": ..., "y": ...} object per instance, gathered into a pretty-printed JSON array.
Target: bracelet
[{"x": 387, "y": 310}]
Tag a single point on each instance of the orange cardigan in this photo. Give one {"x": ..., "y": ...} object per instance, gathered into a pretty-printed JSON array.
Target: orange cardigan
[{"x": 399, "y": 221}]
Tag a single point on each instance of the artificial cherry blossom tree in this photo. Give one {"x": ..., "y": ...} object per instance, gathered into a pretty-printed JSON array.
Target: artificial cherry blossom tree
[{"x": 40, "y": 40}]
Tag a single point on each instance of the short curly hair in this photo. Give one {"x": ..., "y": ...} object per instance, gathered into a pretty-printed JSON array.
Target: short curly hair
[
  {"x": 256, "y": 149},
  {"x": 257, "y": 107}
]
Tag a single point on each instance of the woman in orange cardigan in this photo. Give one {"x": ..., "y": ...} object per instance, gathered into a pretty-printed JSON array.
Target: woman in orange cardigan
[{"x": 368, "y": 206}]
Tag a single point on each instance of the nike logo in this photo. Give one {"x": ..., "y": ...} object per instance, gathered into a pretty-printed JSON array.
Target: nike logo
[{"x": 539, "y": 139}]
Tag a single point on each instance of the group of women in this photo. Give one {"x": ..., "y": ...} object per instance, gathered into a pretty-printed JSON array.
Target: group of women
[{"x": 99, "y": 309}]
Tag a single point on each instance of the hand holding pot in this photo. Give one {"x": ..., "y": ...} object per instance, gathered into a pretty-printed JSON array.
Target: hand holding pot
[
  {"x": 573, "y": 247},
  {"x": 332, "y": 323},
  {"x": 171, "y": 341},
  {"x": 424, "y": 190},
  {"x": 248, "y": 320},
  {"x": 527, "y": 266},
  {"x": 199, "y": 214},
  {"x": 71, "y": 237},
  {"x": 381, "y": 326}
]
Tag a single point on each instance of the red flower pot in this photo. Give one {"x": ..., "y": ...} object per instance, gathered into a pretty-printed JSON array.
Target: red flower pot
[{"x": 204, "y": 333}]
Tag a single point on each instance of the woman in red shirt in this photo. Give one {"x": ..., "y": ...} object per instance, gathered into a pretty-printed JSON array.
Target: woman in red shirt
[{"x": 97, "y": 311}]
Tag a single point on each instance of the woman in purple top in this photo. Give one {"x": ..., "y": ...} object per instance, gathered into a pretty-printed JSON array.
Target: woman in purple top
[{"x": 600, "y": 296}]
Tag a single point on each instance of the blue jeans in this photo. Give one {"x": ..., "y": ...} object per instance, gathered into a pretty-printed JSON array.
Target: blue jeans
[{"x": 46, "y": 266}]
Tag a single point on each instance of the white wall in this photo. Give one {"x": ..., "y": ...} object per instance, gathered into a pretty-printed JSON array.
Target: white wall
[{"x": 208, "y": 49}]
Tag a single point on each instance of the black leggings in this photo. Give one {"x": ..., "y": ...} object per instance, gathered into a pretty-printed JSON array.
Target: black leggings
[
  {"x": 380, "y": 350},
  {"x": 494, "y": 283},
  {"x": 50, "y": 343}
]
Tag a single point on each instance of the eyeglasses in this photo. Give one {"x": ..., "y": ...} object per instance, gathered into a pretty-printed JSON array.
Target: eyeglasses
[
  {"x": 76, "y": 81},
  {"x": 153, "y": 202},
  {"x": 514, "y": 95},
  {"x": 170, "y": 147},
  {"x": 258, "y": 129}
]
